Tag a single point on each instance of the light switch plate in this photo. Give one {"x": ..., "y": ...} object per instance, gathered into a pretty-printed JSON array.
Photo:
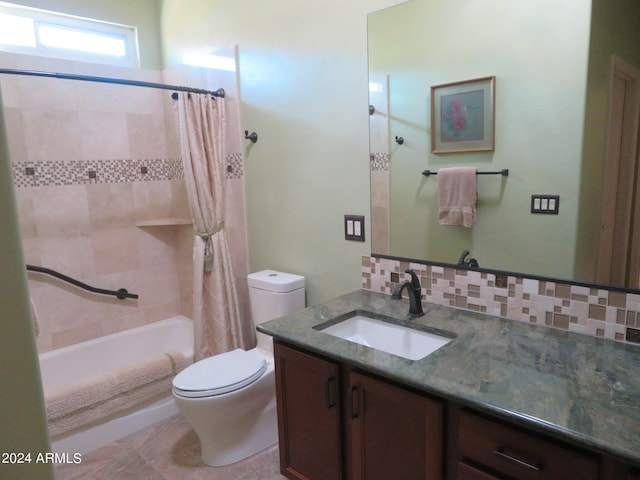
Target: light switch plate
[
  {"x": 354, "y": 227},
  {"x": 549, "y": 204}
]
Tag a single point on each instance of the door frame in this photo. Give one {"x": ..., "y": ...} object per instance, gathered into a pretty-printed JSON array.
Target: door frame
[{"x": 619, "y": 244}]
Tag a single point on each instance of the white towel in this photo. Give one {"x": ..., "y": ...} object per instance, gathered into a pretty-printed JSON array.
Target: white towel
[{"x": 457, "y": 195}]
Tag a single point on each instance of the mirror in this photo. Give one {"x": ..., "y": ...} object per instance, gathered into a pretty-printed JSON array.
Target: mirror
[{"x": 551, "y": 106}]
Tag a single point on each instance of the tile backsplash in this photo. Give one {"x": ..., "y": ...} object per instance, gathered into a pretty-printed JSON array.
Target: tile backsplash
[{"x": 593, "y": 311}]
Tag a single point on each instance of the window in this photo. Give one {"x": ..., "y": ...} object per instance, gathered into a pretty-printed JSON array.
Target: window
[
  {"x": 50, "y": 34},
  {"x": 217, "y": 62}
]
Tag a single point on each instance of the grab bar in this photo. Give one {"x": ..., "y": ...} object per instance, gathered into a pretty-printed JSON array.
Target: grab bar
[{"x": 121, "y": 293}]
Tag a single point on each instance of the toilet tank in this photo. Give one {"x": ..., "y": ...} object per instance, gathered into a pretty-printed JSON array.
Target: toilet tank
[{"x": 273, "y": 294}]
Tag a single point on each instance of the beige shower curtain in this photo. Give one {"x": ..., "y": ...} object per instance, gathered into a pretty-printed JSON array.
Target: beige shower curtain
[{"x": 216, "y": 314}]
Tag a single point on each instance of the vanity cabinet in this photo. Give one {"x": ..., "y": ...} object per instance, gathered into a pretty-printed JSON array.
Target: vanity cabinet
[
  {"x": 393, "y": 433},
  {"x": 488, "y": 449},
  {"x": 335, "y": 423},
  {"x": 309, "y": 415}
]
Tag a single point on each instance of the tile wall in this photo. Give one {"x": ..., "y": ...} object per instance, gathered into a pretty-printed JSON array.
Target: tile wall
[
  {"x": 90, "y": 162},
  {"x": 379, "y": 176},
  {"x": 593, "y": 311},
  {"x": 379, "y": 161}
]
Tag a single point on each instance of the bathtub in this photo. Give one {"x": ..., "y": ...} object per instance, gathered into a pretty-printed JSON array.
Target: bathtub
[{"x": 74, "y": 364}]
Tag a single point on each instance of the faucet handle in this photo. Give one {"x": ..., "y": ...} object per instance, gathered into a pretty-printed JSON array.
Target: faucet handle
[
  {"x": 463, "y": 256},
  {"x": 415, "y": 281}
]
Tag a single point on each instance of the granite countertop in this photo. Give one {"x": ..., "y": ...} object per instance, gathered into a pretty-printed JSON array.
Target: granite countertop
[{"x": 574, "y": 387}]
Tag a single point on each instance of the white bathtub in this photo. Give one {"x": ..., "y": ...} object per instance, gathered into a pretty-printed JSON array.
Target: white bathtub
[{"x": 78, "y": 363}]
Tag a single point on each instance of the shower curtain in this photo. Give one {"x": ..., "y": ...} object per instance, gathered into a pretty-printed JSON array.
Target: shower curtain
[{"x": 216, "y": 314}]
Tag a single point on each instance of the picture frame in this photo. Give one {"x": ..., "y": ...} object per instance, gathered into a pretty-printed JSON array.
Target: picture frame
[{"x": 463, "y": 116}]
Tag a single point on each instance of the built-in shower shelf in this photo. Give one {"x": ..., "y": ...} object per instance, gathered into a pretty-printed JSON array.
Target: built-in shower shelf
[{"x": 165, "y": 222}]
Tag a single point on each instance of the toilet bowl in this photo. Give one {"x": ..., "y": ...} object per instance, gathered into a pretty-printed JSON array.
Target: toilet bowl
[{"x": 229, "y": 399}]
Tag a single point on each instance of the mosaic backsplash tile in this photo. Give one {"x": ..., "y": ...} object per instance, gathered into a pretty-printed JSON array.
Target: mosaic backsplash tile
[{"x": 593, "y": 311}]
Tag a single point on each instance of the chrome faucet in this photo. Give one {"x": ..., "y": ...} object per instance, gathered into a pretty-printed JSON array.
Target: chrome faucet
[{"x": 414, "y": 290}]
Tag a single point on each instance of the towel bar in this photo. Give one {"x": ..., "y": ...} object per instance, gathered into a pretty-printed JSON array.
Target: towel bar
[{"x": 504, "y": 172}]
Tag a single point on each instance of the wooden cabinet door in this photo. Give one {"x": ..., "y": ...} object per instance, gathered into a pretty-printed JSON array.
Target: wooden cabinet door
[
  {"x": 308, "y": 393},
  {"x": 393, "y": 433}
]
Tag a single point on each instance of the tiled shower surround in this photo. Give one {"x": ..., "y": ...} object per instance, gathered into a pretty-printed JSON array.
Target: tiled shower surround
[
  {"x": 593, "y": 311},
  {"x": 93, "y": 163},
  {"x": 89, "y": 162}
]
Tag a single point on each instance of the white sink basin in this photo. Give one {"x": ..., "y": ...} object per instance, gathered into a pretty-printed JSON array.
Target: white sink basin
[{"x": 389, "y": 337}]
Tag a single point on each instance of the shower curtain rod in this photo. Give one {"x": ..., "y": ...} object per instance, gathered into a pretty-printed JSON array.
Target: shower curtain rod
[{"x": 118, "y": 81}]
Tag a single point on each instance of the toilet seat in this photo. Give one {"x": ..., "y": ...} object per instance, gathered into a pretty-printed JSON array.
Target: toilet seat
[{"x": 220, "y": 374}]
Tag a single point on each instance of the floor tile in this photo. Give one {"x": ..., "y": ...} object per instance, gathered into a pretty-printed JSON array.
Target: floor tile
[{"x": 167, "y": 450}]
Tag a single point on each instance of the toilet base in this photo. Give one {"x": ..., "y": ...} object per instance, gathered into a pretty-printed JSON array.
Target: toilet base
[
  {"x": 236, "y": 425},
  {"x": 216, "y": 453}
]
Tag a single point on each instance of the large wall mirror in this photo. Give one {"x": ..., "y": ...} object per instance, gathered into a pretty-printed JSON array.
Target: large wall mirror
[{"x": 553, "y": 64}]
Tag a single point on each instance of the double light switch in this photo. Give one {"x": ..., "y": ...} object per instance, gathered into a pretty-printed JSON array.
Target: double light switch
[{"x": 354, "y": 227}]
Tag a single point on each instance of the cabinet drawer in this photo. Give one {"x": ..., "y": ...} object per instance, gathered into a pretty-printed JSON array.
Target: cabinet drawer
[
  {"x": 467, "y": 472},
  {"x": 520, "y": 454}
]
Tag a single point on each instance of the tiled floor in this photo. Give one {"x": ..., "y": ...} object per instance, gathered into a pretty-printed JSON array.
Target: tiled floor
[{"x": 168, "y": 450}]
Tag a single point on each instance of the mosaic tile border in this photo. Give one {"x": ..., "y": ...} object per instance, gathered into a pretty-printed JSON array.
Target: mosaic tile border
[
  {"x": 235, "y": 166},
  {"x": 379, "y": 161},
  {"x": 79, "y": 172},
  {"x": 593, "y": 311}
]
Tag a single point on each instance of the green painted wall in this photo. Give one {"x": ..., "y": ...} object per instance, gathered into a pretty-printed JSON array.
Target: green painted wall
[
  {"x": 303, "y": 81},
  {"x": 23, "y": 425},
  {"x": 540, "y": 63},
  {"x": 143, "y": 14}
]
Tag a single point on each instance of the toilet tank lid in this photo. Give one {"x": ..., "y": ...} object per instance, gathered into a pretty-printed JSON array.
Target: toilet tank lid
[{"x": 275, "y": 281}]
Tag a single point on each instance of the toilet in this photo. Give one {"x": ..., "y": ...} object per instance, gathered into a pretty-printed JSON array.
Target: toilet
[{"x": 229, "y": 399}]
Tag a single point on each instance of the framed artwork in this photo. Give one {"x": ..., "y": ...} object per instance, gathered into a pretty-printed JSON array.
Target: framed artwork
[{"x": 463, "y": 116}]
